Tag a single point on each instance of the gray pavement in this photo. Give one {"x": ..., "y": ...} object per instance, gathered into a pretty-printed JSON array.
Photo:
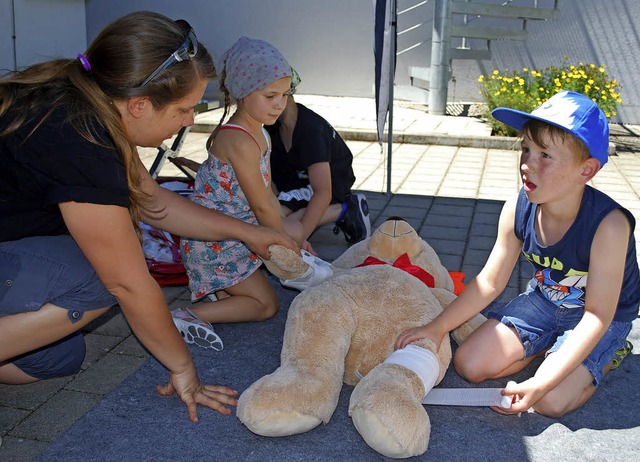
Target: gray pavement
[{"x": 449, "y": 179}]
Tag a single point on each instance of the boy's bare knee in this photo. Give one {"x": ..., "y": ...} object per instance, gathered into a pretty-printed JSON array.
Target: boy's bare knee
[
  {"x": 467, "y": 368},
  {"x": 551, "y": 406}
]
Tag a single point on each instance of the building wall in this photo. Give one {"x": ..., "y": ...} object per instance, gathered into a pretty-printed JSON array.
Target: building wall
[
  {"x": 32, "y": 31},
  {"x": 330, "y": 42}
]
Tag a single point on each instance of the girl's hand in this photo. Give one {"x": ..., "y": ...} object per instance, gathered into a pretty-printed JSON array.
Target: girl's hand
[
  {"x": 191, "y": 391},
  {"x": 307, "y": 246},
  {"x": 418, "y": 333}
]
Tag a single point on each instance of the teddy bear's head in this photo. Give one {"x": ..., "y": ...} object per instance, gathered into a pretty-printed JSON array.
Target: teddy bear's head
[{"x": 390, "y": 242}]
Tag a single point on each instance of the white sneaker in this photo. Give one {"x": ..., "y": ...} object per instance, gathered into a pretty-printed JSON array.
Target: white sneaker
[{"x": 318, "y": 271}]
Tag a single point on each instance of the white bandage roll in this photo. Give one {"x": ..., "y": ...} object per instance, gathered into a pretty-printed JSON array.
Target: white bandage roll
[
  {"x": 421, "y": 361},
  {"x": 468, "y": 397}
]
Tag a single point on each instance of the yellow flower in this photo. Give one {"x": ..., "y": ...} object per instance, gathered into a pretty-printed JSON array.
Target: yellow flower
[
  {"x": 481, "y": 78},
  {"x": 496, "y": 72}
]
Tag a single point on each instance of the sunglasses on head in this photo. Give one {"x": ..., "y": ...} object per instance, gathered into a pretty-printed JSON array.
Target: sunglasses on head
[{"x": 185, "y": 52}]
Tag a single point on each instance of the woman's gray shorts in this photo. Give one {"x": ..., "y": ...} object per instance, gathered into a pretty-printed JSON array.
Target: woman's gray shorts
[{"x": 50, "y": 269}]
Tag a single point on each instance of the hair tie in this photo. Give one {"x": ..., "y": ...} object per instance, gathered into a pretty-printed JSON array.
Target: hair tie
[{"x": 85, "y": 62}]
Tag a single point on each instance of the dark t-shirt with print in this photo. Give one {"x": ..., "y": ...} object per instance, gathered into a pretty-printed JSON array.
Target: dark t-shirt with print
[{"x": 314, "y": 140}]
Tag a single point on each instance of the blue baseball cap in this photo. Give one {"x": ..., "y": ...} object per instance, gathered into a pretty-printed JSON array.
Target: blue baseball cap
[{"x": 571, "y": 111}]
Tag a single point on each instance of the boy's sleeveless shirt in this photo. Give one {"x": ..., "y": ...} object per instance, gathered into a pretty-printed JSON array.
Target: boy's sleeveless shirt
[{"x": 561, "y": 270}]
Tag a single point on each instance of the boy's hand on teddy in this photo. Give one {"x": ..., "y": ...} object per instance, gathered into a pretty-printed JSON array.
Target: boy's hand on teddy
[
  {"x": 418, "y": 333},
  {"x": 294, "y": 229}
]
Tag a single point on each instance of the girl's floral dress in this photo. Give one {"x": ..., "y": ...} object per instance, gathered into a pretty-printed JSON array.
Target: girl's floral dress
[{"x": 217, "y": 265}]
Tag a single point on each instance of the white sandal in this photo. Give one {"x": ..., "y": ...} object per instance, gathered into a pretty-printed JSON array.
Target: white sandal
[{"x": 194, "y": 330}]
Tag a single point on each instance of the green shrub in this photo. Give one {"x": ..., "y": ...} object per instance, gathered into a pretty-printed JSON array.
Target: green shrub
[{"x": 527, "y": 89}]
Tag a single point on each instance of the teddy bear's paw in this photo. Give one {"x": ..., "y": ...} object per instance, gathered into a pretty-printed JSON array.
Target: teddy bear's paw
[
  {"x": 318, "y": 271},
  {"x": 284, "y": 263},
  {"x": 386, "y": 409},
  {"x": 391, "y": 439},
  {"x": 288, "y": 402},
  {"x": 281, "y": 424}
]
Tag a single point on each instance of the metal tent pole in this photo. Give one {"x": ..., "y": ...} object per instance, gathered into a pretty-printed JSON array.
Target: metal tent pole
[
  {"x": 392, "y": 71},
  {"x": 439, "y": 79}
]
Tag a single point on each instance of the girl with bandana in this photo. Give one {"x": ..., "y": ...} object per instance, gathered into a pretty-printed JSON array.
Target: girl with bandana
[{"x": 236, "y": 180}]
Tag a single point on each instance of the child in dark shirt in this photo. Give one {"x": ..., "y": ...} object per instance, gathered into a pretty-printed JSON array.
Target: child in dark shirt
[{"x": 312, "y": 174}]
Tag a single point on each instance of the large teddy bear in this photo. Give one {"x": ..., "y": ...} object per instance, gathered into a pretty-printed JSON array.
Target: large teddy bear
[{"x": 343, "y": 330}]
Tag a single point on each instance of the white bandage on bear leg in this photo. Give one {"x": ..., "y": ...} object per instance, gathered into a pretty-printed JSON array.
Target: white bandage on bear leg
[
  {"x": 425, "y": 364},
  {"x": 421, "y": 361}
]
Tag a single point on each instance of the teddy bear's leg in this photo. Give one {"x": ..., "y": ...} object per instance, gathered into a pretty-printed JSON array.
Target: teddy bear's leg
[
  {"x": 461, "y": 333},
  {"x": 386, "y": 406},
  {"x": 303, "y": 392}
]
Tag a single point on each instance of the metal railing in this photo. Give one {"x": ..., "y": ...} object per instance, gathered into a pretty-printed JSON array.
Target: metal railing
[{"x": 445, "y": 31}]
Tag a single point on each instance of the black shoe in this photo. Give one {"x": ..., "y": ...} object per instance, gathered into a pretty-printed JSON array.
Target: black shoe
[{"x": 355, "y": 223}]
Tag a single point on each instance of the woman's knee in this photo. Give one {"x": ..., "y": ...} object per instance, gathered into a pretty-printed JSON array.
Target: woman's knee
[{"x": 59, "y": 359}]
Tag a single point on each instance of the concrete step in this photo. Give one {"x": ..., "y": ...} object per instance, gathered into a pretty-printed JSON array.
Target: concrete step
[
  {"x": 411, "y": 93},
  {"x": 488, "y": 33},
  {"x": 468, "y": 53},
  {"x": 502, "y": 11}
]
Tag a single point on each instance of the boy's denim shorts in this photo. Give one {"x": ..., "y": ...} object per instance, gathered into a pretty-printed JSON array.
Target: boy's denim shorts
[
  {"x": 541, "y": 325},
  {"x": 50, "y": 269}
]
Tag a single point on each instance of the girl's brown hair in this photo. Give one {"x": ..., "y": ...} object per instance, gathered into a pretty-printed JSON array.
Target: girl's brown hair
[
  {"x": 227, "y": 107},
  {"x": 121, "y": 57}
]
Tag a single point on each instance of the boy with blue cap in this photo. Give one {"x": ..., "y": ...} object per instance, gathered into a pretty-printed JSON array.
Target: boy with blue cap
[{"x": 585, "y": 292}]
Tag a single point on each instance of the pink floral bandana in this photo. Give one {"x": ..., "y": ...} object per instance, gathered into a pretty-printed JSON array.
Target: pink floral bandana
[{"x": 251, "y": 65}]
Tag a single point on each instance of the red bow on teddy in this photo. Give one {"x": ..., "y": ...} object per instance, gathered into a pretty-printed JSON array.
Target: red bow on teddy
[{"x": 404, "y": 263}]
